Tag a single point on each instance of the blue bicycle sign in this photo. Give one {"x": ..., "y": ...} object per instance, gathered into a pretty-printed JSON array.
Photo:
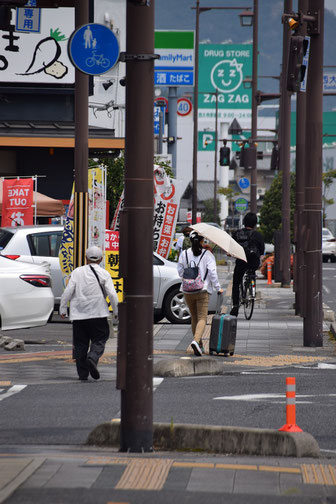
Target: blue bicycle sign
[{"x": 93, "y": 49}]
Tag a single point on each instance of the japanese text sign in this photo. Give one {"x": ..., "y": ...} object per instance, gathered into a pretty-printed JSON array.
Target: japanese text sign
[{"x": 17, "y": 202}]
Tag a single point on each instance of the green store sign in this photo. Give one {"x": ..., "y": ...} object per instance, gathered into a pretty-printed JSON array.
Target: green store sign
[{"x": 222, "y": 68}]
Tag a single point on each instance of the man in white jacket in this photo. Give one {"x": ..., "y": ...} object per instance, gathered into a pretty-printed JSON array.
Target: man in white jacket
[{"x": 86, "y": 291}]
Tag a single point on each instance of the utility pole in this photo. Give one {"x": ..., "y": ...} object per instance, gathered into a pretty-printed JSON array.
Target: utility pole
[
  {"x": 284, "y": 155},
  {"x": 254, "y": 121},
  {"x": 195, "y": 135},
  {"x": 135, "y": 343},
  {"x": 300, "y": 184},
  {"x": 81, "y": 149},
  {"x": 215, "y": 160},
  {"x": 313, "y": 315}
]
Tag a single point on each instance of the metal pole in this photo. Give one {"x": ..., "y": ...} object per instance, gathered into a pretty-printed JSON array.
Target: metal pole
[
  {"x": 300, "y": 184},
  {"x": 313, "y": 317},
  {"x": 172, "y": 126},
  {"x": 284, "y": 160},
  {"x": 161, "y": 125},
  {"x": 195, "y": 139},
  {"x": 135, "y": 344},
  {"x": 81, "y": 149},
  {"x": 215, "y": 167},
  {"x": 254, "y": 121}
]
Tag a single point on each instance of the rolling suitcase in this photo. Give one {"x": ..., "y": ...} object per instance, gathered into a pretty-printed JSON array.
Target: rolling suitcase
[{"x": 223, "y": 334}]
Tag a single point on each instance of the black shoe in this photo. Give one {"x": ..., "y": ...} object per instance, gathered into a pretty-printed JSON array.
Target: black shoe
[
  {"x": 197, "y": 350},
  {"x": 93, "y": 369},
  {"x": 234, "y": 311}
]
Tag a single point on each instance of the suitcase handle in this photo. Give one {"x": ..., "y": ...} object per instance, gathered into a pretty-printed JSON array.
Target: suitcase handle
[{"x": 219, "y": 303}]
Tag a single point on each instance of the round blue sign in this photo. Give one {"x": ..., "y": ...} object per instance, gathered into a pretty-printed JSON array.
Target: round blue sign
[
  {"x": 93, "y": 49},
  {"x": 241, "y": 205},
  {"x": 243, "y": 183}
]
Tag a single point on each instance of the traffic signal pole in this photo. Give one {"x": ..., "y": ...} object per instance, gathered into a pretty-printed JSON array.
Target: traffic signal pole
[
  {"x": 313, "y": 314},
  {"x": 135, "y": 343},
  {"x": 254, "y": 112},
  {"x": 284, "y": 156}
]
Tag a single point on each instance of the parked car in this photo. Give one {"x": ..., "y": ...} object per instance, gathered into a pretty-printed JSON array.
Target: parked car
[
  {"x": 328, "y": 245},
  {"x": 38, "y": 244},
  {"x": 26, "y": 298},
  {"x": 35, "y": 244}
]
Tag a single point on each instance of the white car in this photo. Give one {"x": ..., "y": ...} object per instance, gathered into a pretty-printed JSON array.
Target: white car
[
  {"x": 39, "y": 244},
  {"x": 328, "y": 245},
  {"x": 26, "y": 298}
]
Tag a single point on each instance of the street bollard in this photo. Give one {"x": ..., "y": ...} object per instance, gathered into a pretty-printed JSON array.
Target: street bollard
[
  {"x": 290, "y": 425},
  {"x": 269, "y": 272}
]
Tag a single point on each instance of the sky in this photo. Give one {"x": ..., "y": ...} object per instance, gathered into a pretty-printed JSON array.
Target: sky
[{"x": 331, "y": 5}]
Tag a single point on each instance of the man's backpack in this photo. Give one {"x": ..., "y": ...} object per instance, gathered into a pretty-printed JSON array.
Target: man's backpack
[
  {"x": 245, "y": 239},
  {"x": 186, "y": 243},
  {"x": 191, "y": 280}
]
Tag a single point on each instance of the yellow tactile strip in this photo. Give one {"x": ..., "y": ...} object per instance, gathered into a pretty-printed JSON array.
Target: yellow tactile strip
[
  {"x": 146, "y": 474},
  {"x": 151, "y": 474},
  {"x": 5, "y": 383},
  {"x": 318, "y": 474}
]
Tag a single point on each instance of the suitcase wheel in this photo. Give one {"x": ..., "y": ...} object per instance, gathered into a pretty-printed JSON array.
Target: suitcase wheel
[
  {"x": 226, "y": 354},
  {"x": 231, "y": 353}
]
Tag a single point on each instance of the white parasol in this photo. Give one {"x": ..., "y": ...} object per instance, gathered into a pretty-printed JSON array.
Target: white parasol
[{"x": 220, "y": 238}]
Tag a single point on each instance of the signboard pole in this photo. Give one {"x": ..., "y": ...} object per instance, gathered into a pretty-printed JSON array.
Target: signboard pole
[
  {"x": 195, "y": 136},
  {"x": 81, "y": 149},
  {"x": 172, "y": 126}
]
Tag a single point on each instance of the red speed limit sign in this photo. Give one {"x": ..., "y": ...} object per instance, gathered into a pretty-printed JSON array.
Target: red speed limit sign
[{"x": 184, "y": 106}]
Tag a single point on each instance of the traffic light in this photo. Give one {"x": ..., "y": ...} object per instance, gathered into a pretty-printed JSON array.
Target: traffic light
[
  {"x": 224, "y": 156},
  {"x": 248, "y": 157},
  {"x": 275, "y": 158},
  {"x": 296, "y": 68}
]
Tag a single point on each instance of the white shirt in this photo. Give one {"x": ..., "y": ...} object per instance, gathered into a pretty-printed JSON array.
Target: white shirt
[
  {"x": 179, "y": 243},
  {"x": 85, "y": 295},
  {"x": 207, "y": 263}
]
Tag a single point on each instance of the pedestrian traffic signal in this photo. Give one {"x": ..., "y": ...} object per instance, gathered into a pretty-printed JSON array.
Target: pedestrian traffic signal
[
  {"x": 296, "y": 68},
  {"x": 224, "y": 156}
]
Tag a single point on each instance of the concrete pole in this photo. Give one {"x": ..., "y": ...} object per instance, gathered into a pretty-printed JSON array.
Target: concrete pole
[
  {"x": 172, "y": 126},
  {"x": 313, "y": 315},
  {"x": 215, "y": 160},
  {"x": 284, "y": 152},
  {"x": 300, "y": 184},
  {"x": 135, "y": 344},
  {"x": 195, "y": 134},
  {"x": 81, "y": 153}
]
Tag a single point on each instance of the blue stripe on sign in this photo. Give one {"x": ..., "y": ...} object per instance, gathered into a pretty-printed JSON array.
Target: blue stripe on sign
[
  {"x": 220, "y": 333},
  {"x": 172, "y": 68}
]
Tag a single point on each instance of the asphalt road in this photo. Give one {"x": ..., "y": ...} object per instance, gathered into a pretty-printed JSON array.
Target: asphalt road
[
  {"x": 65, "y": 413},
  {"x": 329, "y": 285}
]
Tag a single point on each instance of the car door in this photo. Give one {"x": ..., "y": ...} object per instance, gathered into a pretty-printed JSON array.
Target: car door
[
  {"x": 45, "y": 247},
  {"x": 156, "y": 280}
]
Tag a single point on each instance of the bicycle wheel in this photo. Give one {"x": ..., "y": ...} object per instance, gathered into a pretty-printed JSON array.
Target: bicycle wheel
[{"x": 248, "y": 301}]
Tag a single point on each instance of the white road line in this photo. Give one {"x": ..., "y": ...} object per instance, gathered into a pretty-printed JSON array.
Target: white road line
[
  {"x": 324, "y": 287},
  {"x": 156, "y": 382},
  {"x": 262, "y": 397},
  {"x": 13, "y": 390}
]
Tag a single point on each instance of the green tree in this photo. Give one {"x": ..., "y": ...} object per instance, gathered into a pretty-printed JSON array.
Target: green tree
[
  {"x": 208, "y": 212},
  {"x": 271, "y": 210},
  {"x": 328, "y": 178}
]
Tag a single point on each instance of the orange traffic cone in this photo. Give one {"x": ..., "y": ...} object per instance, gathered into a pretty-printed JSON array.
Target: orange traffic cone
[{"x": 290, "y": 425}]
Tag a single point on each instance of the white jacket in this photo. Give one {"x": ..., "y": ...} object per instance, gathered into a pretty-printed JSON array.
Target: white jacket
[
  {"x": 207, "y": 263},
  {"x": 85, "y": 295}
]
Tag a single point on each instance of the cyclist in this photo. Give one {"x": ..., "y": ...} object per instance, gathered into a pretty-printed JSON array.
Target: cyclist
[{"x": 253, "y": 243}]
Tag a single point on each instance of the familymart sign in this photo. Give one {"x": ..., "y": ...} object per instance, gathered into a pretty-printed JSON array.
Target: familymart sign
[
  {"x": 222, "y": 69},
  {"x": 176, "y": 64}
]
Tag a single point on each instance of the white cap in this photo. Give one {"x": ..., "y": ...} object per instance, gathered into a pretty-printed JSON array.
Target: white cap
[{"x": 94, "y": 253}]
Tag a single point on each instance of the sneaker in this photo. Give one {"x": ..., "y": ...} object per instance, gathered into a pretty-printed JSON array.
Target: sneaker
[
  {"x": 234, "y": 311},
  {"x": 197, "y": 350},
  {"x": 93, "y": 369}
]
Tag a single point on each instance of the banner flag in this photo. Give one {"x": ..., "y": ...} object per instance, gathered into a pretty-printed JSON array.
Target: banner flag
[
  {"x": 112, "y": 261},
  {"x": 97, "y": 207},
  {"x": 66, "y": 250},
  {"x": 18, "y": 202}
]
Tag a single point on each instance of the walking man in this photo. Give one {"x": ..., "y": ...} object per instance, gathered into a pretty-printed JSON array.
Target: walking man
[{"x": 86, "y": 291}]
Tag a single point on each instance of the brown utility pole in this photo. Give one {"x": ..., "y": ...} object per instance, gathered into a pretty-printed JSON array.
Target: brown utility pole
[
  {"x": 195, "y": 133},
  {"x": 284, "y": 155},
  {"x": 313, "y": 315},
  {"x": 254, "y": 111},
  {"x": 135, "y": 344},
  {"x": 300, "y": 184},
  {"x": 81, "y": 149}
]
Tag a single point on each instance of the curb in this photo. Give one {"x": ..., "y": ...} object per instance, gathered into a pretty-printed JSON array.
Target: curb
[
  {"x": 216, "y": 439},
  {"x": 189, "y": 366}
]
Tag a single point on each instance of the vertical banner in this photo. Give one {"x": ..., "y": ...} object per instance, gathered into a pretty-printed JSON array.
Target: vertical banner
[
  {"x": 17, "y": 203},
  {"x": 66, "y": 250},
  {"x": 166, "y": 207},
  {"x": 97, "y": 207},
  {"x": 112, "y": 261}
]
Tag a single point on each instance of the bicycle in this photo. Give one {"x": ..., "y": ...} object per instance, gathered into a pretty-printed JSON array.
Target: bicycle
[{"x": 247, "y": 293}]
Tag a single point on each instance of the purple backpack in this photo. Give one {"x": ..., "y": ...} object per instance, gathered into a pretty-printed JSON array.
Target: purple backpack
[{"x": 192, "y": 280}]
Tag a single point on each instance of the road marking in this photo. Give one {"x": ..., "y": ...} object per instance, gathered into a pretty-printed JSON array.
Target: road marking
[
  {"x": 323, "y": 365},
  {"x": 13, "y": 390},
  {"x": 156, "y": 382},
  {"x": 326, "y": 289},
  {"x": 263, "y": 397}
]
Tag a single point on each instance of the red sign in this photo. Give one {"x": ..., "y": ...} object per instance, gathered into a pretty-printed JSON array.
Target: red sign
[
  {"x": 184, "y": 106},
  {"x": 198, "y": 217},
  {"x": 161, "y": 99},
  {"x": 111, "y": 240},
  {"x": 17, "y": 204}
]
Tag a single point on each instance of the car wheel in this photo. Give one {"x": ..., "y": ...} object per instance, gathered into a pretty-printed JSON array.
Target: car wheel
[
  {"x": 158, "y": 317},
  {"x": 175, "y": 308}
]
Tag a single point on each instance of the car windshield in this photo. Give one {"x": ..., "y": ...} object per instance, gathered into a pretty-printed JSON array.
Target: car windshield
[
  {"x": 5, "y": 237},
  {"x": 326, "y": 234}
]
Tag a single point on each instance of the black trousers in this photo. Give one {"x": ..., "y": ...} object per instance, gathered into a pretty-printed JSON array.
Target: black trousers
[
  {"x": 240, "y": 268},
  {"x": 87, "y": 333}
]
